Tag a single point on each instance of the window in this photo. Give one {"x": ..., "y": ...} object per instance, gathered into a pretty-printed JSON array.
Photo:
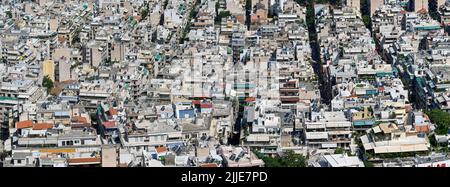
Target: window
[
  {"x": 19, "y": 161},
  {"x": 63, "y": 143}
]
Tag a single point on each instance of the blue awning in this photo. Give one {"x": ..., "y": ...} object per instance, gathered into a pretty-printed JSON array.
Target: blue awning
[
  {"x": 61, "y": 113},
  {"x": 364, "y": 123}
]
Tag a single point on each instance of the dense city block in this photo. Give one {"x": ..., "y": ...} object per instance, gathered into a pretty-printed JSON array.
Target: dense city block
[{"x": 224, "y": 83}]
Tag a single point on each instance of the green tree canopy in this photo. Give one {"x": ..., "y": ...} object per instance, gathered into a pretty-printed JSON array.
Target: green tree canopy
[
  {"x": 339, "y": 150},
  {"x": 442, "y": 120},
  {"x": 222, "y": 14},
  {"x": 293, "y": 160},
  {"x": 289, "y": 159},
  {"x": 47, "y": 83}
]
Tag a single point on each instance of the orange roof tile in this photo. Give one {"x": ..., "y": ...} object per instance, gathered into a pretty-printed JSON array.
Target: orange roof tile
[
  {"x": 56, "y": 150},
  {"x": 24, "y": 124},
  {"x": 112, "y": 111},
  {"x": 68, "y": 81},
  {"x": 209, "y": 165},
  {"x": 80, "y": 119},
  {"x": 161, "y": 149},
  {"x": 422, "y": 128},
  {"x": 83, "y": 160},
  {"x": 42, "y": 126}
]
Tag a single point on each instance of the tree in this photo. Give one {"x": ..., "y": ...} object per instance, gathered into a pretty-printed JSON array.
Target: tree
[
  {"x": 339, "y": 150},
  {"x": 365, "y": 12},
  {"x": 248, "y": 12},
  {"x": 248, "y": 4},
  {"x": 433, "y": 10},
  {"x": 272, "y": 162},
  {"x": 441, "y": 119},
  {"x": 47, "y": 83},
  {"x": 292, "y": 159},
  {"x": 192, "y": 14},
  {"x": 76, "y": 36},
  {"x": 366, "y": 20},
  {"x": 166, "y": 2},
  {"x": 144, "y": 11},
  {"x": 289, "y": 159},
  {"x": 368, "y": 164},
  {"x": 217, "y": 7},
  {"x": 222, "y": 14}
]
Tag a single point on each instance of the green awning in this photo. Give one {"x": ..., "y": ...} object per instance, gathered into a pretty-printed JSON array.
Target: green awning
[{"x": 2, "y": 98}]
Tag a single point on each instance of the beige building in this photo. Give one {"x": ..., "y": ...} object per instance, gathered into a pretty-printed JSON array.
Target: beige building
[
  {"x": 63, "y": 70},
  {"x": 374, "y": 5},
  {"x": 28, "y": 8},
  {"x": 355, "y": 4},
  {"x": 109, "y": 156},
  {"x": 420, "y": 4},
  {"x": 43, "y": 2},
  {"x": 95, "y": 53},
  {"x": 440, "y": 3},
  {"x": 54, "y": 24},
  {"x": 62, "y": 52},
  {"x": 117, "y": 52},
  {"x": 48, "y": 69}
]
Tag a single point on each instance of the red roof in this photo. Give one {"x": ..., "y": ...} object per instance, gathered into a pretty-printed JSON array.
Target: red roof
[
  {"x": 109, "y": 124},
  {"x": 206, "y": 105},
  {"x": 42, "y": 126},
  {"x": 250, "y": 99},
  {"x": 24, "y": 124}
]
